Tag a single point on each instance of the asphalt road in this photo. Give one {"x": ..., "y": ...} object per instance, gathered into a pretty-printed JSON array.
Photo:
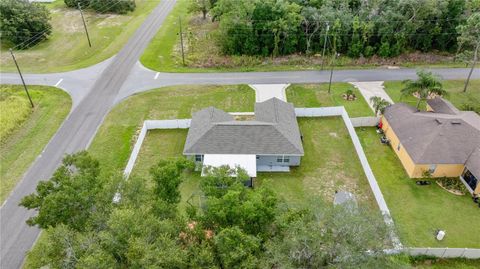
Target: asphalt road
[
  {"x": 142, "y": 79},
  {"x": 75, "y": 134},
  {"x": 96, "y": 89}
]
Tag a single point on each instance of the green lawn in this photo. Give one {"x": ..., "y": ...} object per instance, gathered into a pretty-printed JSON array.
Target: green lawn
[
  {"x": 115, "y": 138},
  {"x": 316, "y": 95},
  {"x": 454, "y": 88},
  {"x": 23, "y": 143},
  {"x": 330, "y": 163},
  {"x": 67, "y": 48},
  {"x": 419, "y": 210},
  {"x": 446, "y": 264}
]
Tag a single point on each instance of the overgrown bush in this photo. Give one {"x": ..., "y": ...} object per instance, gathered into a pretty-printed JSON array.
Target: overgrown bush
[
  {"x": 23, "y": 23},
  {"x": 74, "y": 3},
  {"x": 114, "y": 6},
  {"x": 356, "y": 28},
  {"x": 14, "y": 111}
]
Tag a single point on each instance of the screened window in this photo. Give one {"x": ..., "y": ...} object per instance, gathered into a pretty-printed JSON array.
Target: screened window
[
  {"x": 198, "y": 158},
  {"x": 279, "y": 159}
]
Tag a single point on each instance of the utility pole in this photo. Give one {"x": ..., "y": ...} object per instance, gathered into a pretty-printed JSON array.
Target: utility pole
[
  {"x": 181, "y": 40},
  {"x": 331, "y": 71},
  {"x": 23, "y": 81},
  {"x": 84, "y": 24},
  {"x": 325, "y": 43}
]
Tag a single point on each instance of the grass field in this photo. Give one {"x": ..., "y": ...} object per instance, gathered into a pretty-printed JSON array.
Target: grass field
[
  {"x": 202, "y": 54},
  {"x": 31, "y": 132},
  {"x": 116, "y": 136},
  {"x": 316, "y": 95},
  {"x": 453, "y": 87},
  {"x": 67, "y": 48},
  {"x": 330, "y": 163},
  {"x": 418, "y": 211}
]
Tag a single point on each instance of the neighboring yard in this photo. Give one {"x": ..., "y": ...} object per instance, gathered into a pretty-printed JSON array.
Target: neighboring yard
[
  {"x": 67, "y": 48},
  {"x": 202, "y": 54},
  {"x": 316, "y": 95},
  {"x": 454, "y": 88},
  {"x": 25, "y": 131},
  {"x": 418, "y": 211}
]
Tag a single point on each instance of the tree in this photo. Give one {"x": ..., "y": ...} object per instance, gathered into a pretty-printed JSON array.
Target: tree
[
  {"x": 23, "y": 23},
  {"x": 311, "y": 25},
  {"x": 323, "y": 236},
  {"x": 218, "y": 180},
  {"x": 470, "y": 37},
  {"x": 167, "y": 175},
  {"x": 379, "y": 104},
  {"x": 237, "y": 249},
  {"x": 426, "y": 85},
  {"x": 74, "y": 3},
  {"x": 69, "y": 197},
  {"x": 199, "y": 6}
]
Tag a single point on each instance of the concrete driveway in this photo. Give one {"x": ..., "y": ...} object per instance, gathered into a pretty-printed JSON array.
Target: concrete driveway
[
  {"x": 370, "y": 89},
  {"x": 264, "y": 92}
]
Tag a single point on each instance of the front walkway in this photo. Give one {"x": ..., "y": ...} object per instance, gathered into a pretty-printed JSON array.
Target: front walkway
[
  {"x": 370, "y": 89},
  {"x": 264, "y": 92}
]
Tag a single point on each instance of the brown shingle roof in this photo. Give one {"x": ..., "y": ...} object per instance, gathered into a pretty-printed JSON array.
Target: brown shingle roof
[
  {"x": 435, "y": 138},
  {"x": 440, "y": 105}
]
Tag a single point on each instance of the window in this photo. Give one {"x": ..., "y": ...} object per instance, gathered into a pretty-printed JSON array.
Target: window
[
  {"x": 286, "y": 159},
  {"x": 279, "y": 159},
  {"x": 432, "y": 168},
  {"x": 398, "y": 147},
  {"x": 198, "y": 158},
  {"x": 258, "y": 157}
]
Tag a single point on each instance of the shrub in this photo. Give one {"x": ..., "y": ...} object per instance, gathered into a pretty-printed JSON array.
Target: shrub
[
  {"x": 114, "y": 6},
  {"x": 24, "y": 24},
  {"x": 74, "y": 3},
  {"x": 14, "y": 112}
]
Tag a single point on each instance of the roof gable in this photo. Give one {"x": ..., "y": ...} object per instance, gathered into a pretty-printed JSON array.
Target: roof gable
[
  {"x": 274, "y": 131},
  {"x": 434, "y": 138}
]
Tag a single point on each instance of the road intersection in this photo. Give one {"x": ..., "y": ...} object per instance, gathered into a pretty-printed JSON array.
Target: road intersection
[{"x": 96, "y": 89}]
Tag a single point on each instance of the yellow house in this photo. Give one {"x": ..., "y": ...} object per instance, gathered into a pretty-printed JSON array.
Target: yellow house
[{"x": 442, "y": 142}]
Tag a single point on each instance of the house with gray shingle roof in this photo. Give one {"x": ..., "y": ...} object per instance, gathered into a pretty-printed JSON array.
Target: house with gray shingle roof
[
  {"x": 270, "y": 142},
  {"x": 442, "y": 142}
]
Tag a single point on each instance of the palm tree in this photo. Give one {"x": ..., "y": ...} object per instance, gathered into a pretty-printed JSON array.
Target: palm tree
[
  {"x": 379, "y": 104},
  {"x": 426, "y": 84}
]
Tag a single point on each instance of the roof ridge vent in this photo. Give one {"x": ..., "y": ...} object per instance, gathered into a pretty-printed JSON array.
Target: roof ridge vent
[{"x": 456, "y": 122}]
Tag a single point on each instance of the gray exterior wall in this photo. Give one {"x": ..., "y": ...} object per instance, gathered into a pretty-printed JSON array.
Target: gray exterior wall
[
  {"x": 272, "y": 160},
  {"x": 265, "y": 160}
]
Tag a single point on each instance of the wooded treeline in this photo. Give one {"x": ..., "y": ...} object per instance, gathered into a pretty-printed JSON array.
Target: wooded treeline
[
  {"x": 356, "y": 28},
  {"x": 231, "y": 227}
]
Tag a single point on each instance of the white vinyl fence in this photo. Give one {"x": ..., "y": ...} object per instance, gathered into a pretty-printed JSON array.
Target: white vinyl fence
[
  {"x": 467, "y": 253},
  {"x": 365, "y": 121},
  {"x": 340, "y": 111},
  {"x": 149, "y": 125},
  {"x": 350, "y": 124}
]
